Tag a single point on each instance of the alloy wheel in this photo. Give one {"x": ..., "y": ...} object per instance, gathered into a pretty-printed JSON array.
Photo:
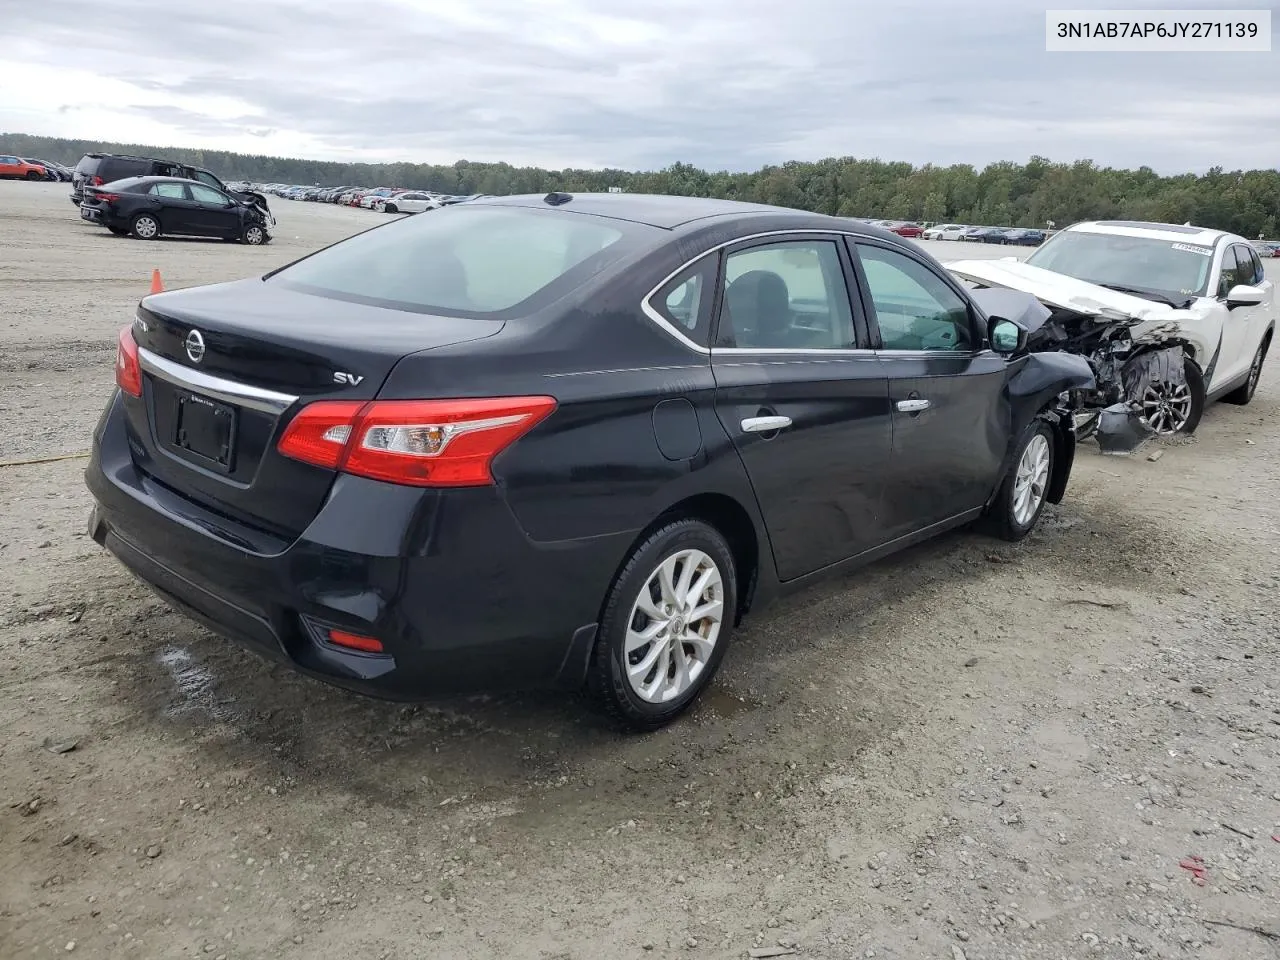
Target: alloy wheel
[
  {"x": 1166, "y": 407},
  {"x": 1031, "y": 480},
  {"x": 146, "y": 228},
  {"x": 674, "y": 625}
]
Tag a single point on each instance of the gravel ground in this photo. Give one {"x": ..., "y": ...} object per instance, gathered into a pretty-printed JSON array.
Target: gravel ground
[{"x": 973, "y": 750}]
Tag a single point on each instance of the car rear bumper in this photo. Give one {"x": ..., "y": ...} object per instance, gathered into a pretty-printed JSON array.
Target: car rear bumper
[{"x": 462, "y": 601}]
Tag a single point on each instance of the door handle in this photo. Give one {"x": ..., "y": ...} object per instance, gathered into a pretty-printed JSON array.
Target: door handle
[
  {"x": 765, "y": 424},
  {"x": 913, "y": 406}
]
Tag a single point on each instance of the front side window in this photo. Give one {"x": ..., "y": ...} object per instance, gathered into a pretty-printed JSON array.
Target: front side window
[
  {"x": 463, "y": 259},
  {"x": 208, "y": 178},
  {"x": 915, "y": 308},
  {"x": 202, "y": 194},
  {"x": 1254, "y": 268},
  {"x": 174, "y": 191},
  {"x": 787, "y": 295}
]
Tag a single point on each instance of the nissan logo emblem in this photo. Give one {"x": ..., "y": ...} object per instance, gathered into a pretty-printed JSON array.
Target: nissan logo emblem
[{"x": 195, "y": 346}]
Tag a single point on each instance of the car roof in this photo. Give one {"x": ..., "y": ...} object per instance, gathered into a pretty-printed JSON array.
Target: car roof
[
  {"x": 1174, "y": 233},
  {"x": 660, "y": 210},
  {"x": 150, "y": 180}
]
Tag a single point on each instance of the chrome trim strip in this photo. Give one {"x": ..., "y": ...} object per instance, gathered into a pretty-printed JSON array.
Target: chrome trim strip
[
  {"x": 228, "y": 391},
  {"x": 808, "y": 354}
]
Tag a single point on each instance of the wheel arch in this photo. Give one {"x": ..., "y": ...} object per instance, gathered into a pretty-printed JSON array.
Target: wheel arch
[{"x": 732, "y": 520}]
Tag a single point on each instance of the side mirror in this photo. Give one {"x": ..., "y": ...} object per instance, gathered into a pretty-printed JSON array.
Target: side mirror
[
  {"x": 1005, "y": 336},
  {"x": 1243, "y": 295}
]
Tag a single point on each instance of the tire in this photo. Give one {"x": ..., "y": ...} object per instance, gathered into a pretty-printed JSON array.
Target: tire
[
  {"x": 1021, "y": 498},
  {"x": 390, "y": 208},
  {"x": 119, "y": 231},
  {"x": 1244, "y": 393},
  {"x": 1195, "y": 410},
  {"x": 32, "y": 175},
  {"x": 674, "y": 547},
  {"x": 145, "y": 227},
  {"x": 254, "y": 235}
]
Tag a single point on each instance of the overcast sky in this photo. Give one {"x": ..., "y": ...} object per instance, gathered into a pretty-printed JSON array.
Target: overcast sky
[{"x": 639, "y": 84}]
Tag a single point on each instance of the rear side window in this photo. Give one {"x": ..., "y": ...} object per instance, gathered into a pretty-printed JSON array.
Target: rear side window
[
  {"x": 468, "y": 260},
  {"x": 114, "y": 168},
  {"x": 685, "y": 301},
  {"x": 175, "y": 191}
]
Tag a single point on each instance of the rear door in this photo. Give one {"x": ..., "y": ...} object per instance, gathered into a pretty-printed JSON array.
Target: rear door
[
  {"x": 215, "y": 213},
  {"x": 803, "y": 398},
  {"x": 174, "y": 207},
  {"x": 946, "y": 389}
]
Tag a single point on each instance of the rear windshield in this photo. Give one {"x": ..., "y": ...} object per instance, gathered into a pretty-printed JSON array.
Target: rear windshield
[
  {"x": 462, "y": 260},
  {"x": 88, "y": 164}
]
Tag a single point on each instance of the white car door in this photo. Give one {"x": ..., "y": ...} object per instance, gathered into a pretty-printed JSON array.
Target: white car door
[{"x": 1242, "y": 326}]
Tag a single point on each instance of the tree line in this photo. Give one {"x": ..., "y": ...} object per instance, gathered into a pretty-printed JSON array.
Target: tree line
[{"x": 1000, "y": 194}]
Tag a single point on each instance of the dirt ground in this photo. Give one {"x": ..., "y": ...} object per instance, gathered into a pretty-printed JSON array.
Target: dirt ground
[{"x": 973, "y": 750}]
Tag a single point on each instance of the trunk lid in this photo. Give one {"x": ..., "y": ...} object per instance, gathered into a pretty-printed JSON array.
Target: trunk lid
[{"x": 226, "y": 366}]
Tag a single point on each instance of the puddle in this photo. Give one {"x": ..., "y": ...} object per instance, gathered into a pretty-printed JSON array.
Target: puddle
[
  {"x": 723, "y": 702},
  {"x": 194, "y": 683}
]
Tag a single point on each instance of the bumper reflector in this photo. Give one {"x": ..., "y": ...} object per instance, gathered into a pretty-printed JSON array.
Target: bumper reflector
[{"x": 354, "y": 641}]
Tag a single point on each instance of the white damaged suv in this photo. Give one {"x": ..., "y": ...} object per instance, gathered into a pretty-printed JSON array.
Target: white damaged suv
[{"x": 1170, "y": 317}]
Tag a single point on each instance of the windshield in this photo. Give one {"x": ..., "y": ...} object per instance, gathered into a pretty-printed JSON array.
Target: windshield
[
  {"x": 1173, "y": 270},
  {"x": 462, "y": 260}
]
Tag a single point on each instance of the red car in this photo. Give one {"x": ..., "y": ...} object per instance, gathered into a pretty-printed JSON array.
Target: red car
[
  {"x": 907, "y": 229},
  {"x": 16, "y": 167}
]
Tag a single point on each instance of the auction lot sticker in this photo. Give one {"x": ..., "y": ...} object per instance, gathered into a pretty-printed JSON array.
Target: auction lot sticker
[{"x": 1157, "y": 31}]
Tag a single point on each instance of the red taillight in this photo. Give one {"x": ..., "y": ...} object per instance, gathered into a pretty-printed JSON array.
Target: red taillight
[
  {"x": 106, "y": 197},
  {"x": 422, "y": 443},
  {"x": 96, "y": 181},
  {"x": 128, "y": 368},
  {"x": 354, "y": 641}
]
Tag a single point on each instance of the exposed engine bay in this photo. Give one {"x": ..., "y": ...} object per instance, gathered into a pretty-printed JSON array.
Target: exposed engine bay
[{"x": 1134, "y": 377}]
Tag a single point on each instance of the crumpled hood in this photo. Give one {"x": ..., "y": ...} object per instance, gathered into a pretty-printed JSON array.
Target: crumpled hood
[{"x": 1059, "y": 290}]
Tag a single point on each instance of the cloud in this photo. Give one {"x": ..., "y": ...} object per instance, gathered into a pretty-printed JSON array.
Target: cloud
[{"x": 724, "y": 84}]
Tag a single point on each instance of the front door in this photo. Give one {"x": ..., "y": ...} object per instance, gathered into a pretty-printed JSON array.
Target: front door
[
  {"x": 946, "y": 390},
  {"x": 1242, "y": 327},
  {"x": 217, "y": 215},
  {"x": 803, "y": 399}
]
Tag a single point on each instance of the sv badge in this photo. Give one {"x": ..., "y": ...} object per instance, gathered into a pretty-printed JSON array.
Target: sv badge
[{"x": 350, "y": 379}]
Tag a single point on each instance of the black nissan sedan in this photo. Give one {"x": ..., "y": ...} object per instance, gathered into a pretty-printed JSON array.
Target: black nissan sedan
[
  {"x": 150, "y": 207},
  {"x": 564, "y": 441}
]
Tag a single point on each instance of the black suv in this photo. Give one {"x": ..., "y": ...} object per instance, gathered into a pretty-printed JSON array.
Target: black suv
[{"x": 95, "y": 169}]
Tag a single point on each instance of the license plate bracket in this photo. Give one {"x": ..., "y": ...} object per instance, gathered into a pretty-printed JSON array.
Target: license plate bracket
[{"x": 206, "y": 430}]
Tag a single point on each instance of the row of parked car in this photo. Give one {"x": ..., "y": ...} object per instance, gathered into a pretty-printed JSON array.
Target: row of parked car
[
  {"x": 1019, "y": 236},
  {"x": 957, "y": 231},
  {"x": 28, "y": 168},
  {"x": 381, "y": 199}
]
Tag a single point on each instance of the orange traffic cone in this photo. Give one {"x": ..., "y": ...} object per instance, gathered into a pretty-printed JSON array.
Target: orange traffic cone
[{"x": 157, "y": 285}]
